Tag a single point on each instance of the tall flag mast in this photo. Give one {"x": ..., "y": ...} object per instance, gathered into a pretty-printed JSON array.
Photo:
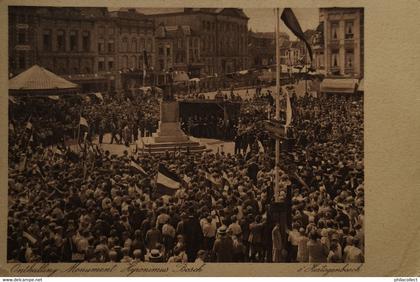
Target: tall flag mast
[{"x": 277, "y": 116}]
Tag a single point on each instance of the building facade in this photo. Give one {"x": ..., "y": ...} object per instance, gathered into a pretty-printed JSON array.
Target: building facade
[
  {"x": 93, "y": 47},
  {"x": 339, "y": 45},
  {"x": 223, "y": 33},
  {"x": 133, "y": 34},
  {"x": 65, "y": 44},
  {"x": 22, "y": 39},
  {"x": 177, "y": 52},
  {"x": 262, "y": 49}
]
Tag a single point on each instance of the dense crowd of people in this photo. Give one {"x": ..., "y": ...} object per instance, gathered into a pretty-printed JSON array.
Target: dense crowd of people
[
  {"x": 93, "y": 206},
  {"x": 125, "y": 117}
]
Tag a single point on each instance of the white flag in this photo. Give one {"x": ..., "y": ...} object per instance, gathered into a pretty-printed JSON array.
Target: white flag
[
  {"x": 288, "y": 110},
  {"x": 54, "y": 97},
  {"x": 99, "y": 96},
  {"x": 29, "y": 125},
  {"x": 260, "y": 146},
  {"x": 83, "y": 122}
]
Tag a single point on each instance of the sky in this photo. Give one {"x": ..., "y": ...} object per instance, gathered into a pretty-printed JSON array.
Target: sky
[{"x": 263, "y": 19}]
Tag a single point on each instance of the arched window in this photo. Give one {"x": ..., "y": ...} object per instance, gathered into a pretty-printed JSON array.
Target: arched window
[
  {"x": 334, "y": 31},
  {"x": 101, "y": 45},
  {"x": 86, "y": 41},
  {"x": 111, "y": 45},
  {"x": 134, "y": 45},
  {"x": 142, "y": 44},
  {"x": 61, "y": 40},
  {"x": 149, "y": 44},
  {"x": 124, "y": 45}
]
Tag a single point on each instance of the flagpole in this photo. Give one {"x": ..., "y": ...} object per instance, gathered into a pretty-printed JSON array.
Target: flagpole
[
  {"x": 78, "y": 128},
  {"x": 277, "y": 116},
  {"x": 144, "y": 74}
]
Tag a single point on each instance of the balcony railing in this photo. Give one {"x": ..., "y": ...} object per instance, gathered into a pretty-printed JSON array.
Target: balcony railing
[
  {"x": 348, "y": 70},
  {"x": 333, "y": 43},
  {"x": 335, "y": 70},
  {"x": 349, "y": 42}
]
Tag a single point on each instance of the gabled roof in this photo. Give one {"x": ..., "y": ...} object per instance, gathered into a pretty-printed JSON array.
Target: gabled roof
[
  {"x": 172, "y": 30},
  {"x": 38, "y": 78}
]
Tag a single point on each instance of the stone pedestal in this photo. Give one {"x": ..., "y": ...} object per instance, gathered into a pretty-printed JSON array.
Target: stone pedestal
[
  {"x": 169, "y": 136},
  {"x": 169, "y": 126}
]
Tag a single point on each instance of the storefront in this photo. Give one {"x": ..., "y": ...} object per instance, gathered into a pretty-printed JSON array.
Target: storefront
[{"x": 338, "y": 86}]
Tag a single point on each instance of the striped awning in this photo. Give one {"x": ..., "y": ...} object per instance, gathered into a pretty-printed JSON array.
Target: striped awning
[{"x": 338, "y": 85}]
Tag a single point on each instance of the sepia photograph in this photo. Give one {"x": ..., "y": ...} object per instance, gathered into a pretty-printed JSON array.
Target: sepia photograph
[{"x": 185, "y": 135}]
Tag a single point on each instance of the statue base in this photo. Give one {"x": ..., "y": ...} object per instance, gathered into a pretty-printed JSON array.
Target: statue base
[
  {"x": 169, "y": 126},
  {"x": 169, "y": 136}
]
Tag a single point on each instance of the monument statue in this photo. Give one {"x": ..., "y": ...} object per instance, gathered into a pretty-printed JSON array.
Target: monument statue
[
  {"x": 169, "y": 135},
  {"x": 169, "y": 125}
]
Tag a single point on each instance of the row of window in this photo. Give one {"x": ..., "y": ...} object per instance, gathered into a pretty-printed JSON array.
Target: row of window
[
  {"x": 194, "y": 56},
  {"x": 126, "y": 62},
  {"x": 73, "y": 39},
  {"x": 129, "y": 30},
  {"x": 223, "y": 26},
  {"x": 348, "y": 30},
  {"x": 164, "y": 51},
  {"x": 335, "y": 60},
  {"x": 126, "y": 46},
  {"x": 61, "y": 41},
  {"x": 348, "y": 59}
]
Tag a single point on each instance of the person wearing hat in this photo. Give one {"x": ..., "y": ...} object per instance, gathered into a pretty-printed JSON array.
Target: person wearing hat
[
  {"x": 223, "y": 246},
  {"x": 154, "y": 256}
]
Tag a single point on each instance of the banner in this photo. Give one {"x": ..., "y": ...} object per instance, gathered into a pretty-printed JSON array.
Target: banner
[
  {"x": 290, "y": 20},
  {"x": 137, "y": 167},
  {"x": 167, "y": 182}
]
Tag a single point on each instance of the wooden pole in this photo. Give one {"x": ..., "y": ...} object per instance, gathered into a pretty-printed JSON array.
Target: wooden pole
[{"x": 277, "y": 116}]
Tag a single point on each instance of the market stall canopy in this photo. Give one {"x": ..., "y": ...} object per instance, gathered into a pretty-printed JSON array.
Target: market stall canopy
[
  {"x": 38, "y": 79},
  {"x": 337, "y": 85},
  {"x": 150, "y": 89},
  {"x": 361, "y": 86},
  {"x": 145, "y": 88},
  {"x": 180, "y": 76}
]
